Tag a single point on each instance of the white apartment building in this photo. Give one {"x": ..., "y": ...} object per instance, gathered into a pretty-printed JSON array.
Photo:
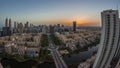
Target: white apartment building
[
  {"x": 117, "y": 54},
  {"x": 109, "y": 38}
]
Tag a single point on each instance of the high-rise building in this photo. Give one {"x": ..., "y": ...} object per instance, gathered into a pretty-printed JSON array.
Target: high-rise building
[
  {"x": 26, "y": 27},
  {"x": 110, "y": 39},
  {"x": 10, "y": 23},
  {"x": 19, "y": 27},
  {"x": 7, "y": 29},
  {"x": 26, "y": 24},
  {"x": 15, "y": 26},
  {"x": 10, "y": 26},
  {"x": 74, "y": 26},
  {"x": 117, "y": 53},
  {"x": 6, "y": 22}
]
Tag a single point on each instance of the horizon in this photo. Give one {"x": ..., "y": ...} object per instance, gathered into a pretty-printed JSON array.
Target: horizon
[{"x": 55, "y": 12}]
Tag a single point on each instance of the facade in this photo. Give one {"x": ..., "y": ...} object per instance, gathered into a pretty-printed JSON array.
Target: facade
[
  {"x": 109, "y": 38},
  {"x": 20, "y": 28},
  {"x": 117, "y": 54}
]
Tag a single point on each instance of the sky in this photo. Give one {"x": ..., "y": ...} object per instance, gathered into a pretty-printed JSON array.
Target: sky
[{"x": 85, "y": 12}]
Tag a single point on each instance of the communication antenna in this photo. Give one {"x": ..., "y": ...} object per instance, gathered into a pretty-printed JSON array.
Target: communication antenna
[{"x": 116, "y": 4}]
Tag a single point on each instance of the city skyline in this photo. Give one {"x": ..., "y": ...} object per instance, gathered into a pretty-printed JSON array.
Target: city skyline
[
  {"x": 27, "y": 46},
  {"x": 53, "y": 12}
]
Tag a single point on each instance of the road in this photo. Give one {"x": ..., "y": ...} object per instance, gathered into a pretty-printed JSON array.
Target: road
[{"x": 56, "y": 55}]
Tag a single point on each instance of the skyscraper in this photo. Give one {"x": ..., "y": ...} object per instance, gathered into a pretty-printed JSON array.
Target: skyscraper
[
  {"x": 26, "y": 24},
  {"x": 15, "y": 26},
  {"x": 7, "y": 29},
  {"x": 109, "y": 39},
  {"x": 6, "y": 22},
  {"x": 10, "y": 23},
  {"x": 20, "y": 28},
  {"x": 74, "y": 26}
]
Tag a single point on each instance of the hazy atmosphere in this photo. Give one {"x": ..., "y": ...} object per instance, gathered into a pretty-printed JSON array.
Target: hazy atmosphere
[{"x": 85, "y": 12}]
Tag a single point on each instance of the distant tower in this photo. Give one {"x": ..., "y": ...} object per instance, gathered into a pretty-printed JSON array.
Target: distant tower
[
  {"x": 10, "y": 23},
  {"x": 7, "y": 28},
  {"x": 26, "y": 25},
  {"x": 6, "y": 22},
  {"x": 110, "y": 39},
  {"x": 51, "y": 29},
  {"x": 74, "y": 26},
  {"x": 15, "y": 26},
  {"x": 20, "y": 27},
  {"x": 58, "y": 25}
]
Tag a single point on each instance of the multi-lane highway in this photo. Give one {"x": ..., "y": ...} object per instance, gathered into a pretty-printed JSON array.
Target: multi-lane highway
[{"x": 56, "y": 55}]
